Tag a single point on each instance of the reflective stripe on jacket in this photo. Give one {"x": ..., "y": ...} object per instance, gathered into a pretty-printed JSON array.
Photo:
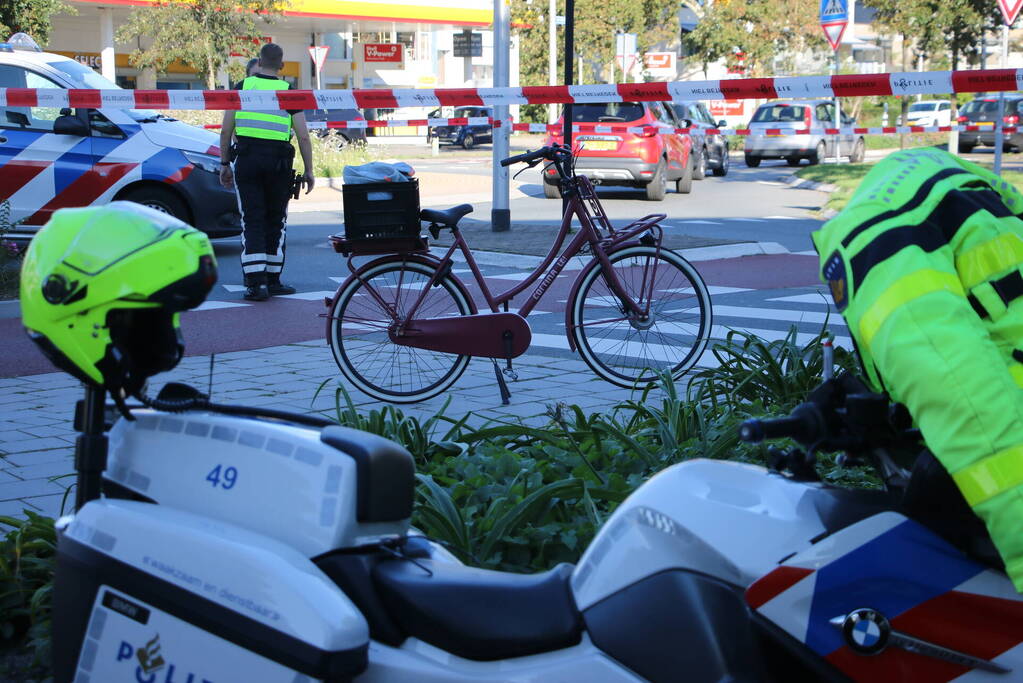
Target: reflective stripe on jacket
[
  {"x": 924, "y": 263},
  {"x": 266, "y": 125}
]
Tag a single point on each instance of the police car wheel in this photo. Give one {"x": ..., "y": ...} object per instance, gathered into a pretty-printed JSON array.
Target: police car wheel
[{"x": 159, "y": 199}]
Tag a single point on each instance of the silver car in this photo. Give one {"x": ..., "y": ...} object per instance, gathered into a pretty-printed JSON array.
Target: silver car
[{"x": 772, "y": 133}]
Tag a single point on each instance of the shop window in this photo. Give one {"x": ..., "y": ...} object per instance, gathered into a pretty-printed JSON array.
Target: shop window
[{"x": 340, "y": 48}]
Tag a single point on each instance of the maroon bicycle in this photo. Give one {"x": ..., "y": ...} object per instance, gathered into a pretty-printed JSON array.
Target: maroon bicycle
[{"x": 403, "y": 326}]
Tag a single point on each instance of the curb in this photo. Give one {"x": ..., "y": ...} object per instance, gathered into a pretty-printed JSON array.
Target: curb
[{"x": 795, "y": 181}]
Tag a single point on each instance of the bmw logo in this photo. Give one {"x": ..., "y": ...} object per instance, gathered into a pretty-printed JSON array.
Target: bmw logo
[{"x": 866, "y": 631}]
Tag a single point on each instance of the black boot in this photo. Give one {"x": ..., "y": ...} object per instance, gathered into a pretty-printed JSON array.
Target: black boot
[
  {"x": 278, "y": 288},
  {"x": 256, "y": 288}
]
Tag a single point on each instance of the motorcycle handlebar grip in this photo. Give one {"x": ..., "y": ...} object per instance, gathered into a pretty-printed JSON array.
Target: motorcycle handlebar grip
[{"x": 755, "y": 431}]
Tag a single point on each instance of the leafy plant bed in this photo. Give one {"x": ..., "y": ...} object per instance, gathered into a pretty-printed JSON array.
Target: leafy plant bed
[{"x": 509, "y": 496}]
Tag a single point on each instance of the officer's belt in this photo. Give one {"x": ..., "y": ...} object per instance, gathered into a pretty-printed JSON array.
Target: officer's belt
[{"x": 1008, "y": 288}]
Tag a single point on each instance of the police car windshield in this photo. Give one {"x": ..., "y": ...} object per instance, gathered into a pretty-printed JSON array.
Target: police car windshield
[{"x": 87, "y": 77}]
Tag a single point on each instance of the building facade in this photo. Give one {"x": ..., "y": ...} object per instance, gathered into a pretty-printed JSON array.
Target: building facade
[{"x": 372, "y": 44}]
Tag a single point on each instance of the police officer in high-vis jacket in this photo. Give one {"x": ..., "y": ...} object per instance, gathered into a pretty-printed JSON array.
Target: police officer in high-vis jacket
[
  {"x": 925, "y": 265},
  {"x": 262, "y": 174}
]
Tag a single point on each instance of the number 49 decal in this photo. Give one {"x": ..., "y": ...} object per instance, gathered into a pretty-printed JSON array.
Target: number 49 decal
[{"x": 224, "y": 477}]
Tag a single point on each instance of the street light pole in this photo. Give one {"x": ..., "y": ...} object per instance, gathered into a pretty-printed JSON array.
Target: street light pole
[
  {"x": 552, "y": 56},
  {"x": 569, "y": 60},
  {"x": 500, "y": 213}
]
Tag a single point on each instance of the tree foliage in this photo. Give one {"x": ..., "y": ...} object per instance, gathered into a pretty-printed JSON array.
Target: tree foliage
[
  {"x": 932, "y": 28},
  {"x": 33, "y": 17},
  {"x": 759, "y": 29},
  {"x": 596, "y": 22},
  {"x": 199, "y": 33}
]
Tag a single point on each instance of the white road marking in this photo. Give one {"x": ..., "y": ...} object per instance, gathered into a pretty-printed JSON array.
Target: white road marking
[
  {"x": 779, "y": 314},
  {"x": 217, "y": 305},
  {"x": 309, "y": 296},
  {"x": 820, "y": 298},
  {"x": 234, "y": 288}
]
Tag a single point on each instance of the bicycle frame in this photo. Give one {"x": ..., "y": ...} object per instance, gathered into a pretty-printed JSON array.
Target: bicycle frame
[{"x": 581, "y": 203}]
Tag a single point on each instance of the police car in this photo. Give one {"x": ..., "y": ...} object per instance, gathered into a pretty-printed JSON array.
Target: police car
[{"x": 54, "y": 158}]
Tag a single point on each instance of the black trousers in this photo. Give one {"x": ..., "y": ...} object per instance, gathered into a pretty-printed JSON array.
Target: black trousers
[{"x": 262, "y": 179}]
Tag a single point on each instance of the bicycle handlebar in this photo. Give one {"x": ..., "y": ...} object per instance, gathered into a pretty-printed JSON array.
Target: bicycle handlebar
[
  {"x": 526, "y": 156},
  {"x": 551, "y": 153}
]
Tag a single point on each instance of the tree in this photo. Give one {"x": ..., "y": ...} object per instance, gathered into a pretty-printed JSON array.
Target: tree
[
  {"x": 933, "y": 27},
  {"x": 32, "y": 17},
  {"x": 759, "y": 29},
  {"x": 596, "y": 22},
  {"x": 199, "y": 33}
]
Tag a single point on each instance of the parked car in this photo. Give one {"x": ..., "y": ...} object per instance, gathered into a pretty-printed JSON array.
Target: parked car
[
  {"x": 782, "y": 118},
  {"x": 929, "y": 113},
  {"x": 983, "y": 112},
  {"x": 712, "y": 150},
  {"x": 649, "y": 160},
  {"x": 468, "y": 136},
  {"x": 340, "y": 136},
  {"x": 54, "y": 158}
]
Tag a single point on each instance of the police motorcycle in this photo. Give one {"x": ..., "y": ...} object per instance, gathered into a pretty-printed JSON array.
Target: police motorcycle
[{"x": 215, "y": 543}]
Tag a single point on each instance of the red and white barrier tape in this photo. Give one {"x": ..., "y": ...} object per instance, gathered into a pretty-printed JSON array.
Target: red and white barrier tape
[
  {"x": 845, "y": 85},
  {"x": 395, "y": 123},
  {"x": 765, "y": 132},
  {"x": 611, "y": 129}
]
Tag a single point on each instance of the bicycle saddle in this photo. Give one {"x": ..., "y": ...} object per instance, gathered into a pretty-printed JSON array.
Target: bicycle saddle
[{"x": 448, "y": 217}]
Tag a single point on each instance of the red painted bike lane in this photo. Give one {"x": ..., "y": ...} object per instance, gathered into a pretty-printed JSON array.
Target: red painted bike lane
[{"x": 286, "y": 321}]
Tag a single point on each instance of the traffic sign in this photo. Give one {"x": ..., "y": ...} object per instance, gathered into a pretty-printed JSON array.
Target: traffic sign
[
  {"x": 835, "y": 17},
  {"x": 318, "y": 53},
  {"x": 1010, "y": 8}
]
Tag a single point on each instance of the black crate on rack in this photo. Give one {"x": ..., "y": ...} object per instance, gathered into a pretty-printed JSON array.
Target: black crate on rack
[{"x": 381, "y": 211}]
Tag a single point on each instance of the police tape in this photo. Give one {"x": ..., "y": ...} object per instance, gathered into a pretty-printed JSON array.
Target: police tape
[
  {"x": 842, "y": 85},
  {"x": 394, "y": 123},
  {"x": 595, "y": 128},
  {"x": 759, "y": 132}
]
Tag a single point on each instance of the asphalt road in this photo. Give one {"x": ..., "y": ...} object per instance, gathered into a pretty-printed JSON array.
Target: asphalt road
[{"x": 746, "y": 205}]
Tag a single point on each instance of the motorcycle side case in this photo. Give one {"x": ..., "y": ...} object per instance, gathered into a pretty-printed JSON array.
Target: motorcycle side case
[
  {"x": 153, "y": 594},
  {"x": 316, "y": 490},
  {"x": 855, "y": 595}
]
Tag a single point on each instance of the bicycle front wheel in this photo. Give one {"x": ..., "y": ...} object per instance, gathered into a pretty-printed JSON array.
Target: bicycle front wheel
[
  {"x": 368, "y": 306},
  {"x": 630, "y": 350}
]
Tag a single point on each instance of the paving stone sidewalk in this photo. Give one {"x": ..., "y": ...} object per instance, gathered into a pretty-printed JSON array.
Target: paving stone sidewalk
[{"x": 37, "y": 439}]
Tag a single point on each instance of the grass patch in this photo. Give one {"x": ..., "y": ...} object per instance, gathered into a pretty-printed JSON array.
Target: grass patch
[{"x": 847, "y": 177}]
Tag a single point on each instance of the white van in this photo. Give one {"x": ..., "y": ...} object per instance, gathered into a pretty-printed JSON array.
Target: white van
[{"x": 54, "y": 158}]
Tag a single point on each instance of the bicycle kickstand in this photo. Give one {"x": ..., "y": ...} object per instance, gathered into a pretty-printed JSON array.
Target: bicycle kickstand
[
  {"x": 508, "y": 351},
  {"x": 501, "y": 384}
]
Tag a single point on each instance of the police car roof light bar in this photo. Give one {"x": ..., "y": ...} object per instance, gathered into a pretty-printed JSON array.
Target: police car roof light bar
[{"x": 23, "y": 41}]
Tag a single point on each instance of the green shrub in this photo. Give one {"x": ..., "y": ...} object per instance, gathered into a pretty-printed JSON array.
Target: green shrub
[{"x": 27, "y": 561}]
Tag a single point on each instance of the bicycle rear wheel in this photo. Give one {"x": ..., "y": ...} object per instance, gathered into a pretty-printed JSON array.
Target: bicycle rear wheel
[
  {"x": 359, "y": 324},
  {"x": 631, "y": 352}
]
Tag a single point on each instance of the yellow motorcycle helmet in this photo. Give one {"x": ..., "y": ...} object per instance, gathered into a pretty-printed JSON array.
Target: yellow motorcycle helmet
[{"x": 102, "y": 289}]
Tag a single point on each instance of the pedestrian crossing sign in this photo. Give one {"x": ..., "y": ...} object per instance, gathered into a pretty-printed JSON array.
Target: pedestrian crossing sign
[{"x": 834, "y": 18}]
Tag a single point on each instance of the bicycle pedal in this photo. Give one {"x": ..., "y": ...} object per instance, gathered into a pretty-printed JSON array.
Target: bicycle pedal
[{"x": 511, "y": 374}]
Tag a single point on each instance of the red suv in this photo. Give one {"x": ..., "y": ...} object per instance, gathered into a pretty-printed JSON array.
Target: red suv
[{"x": 649, "y": 159}]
